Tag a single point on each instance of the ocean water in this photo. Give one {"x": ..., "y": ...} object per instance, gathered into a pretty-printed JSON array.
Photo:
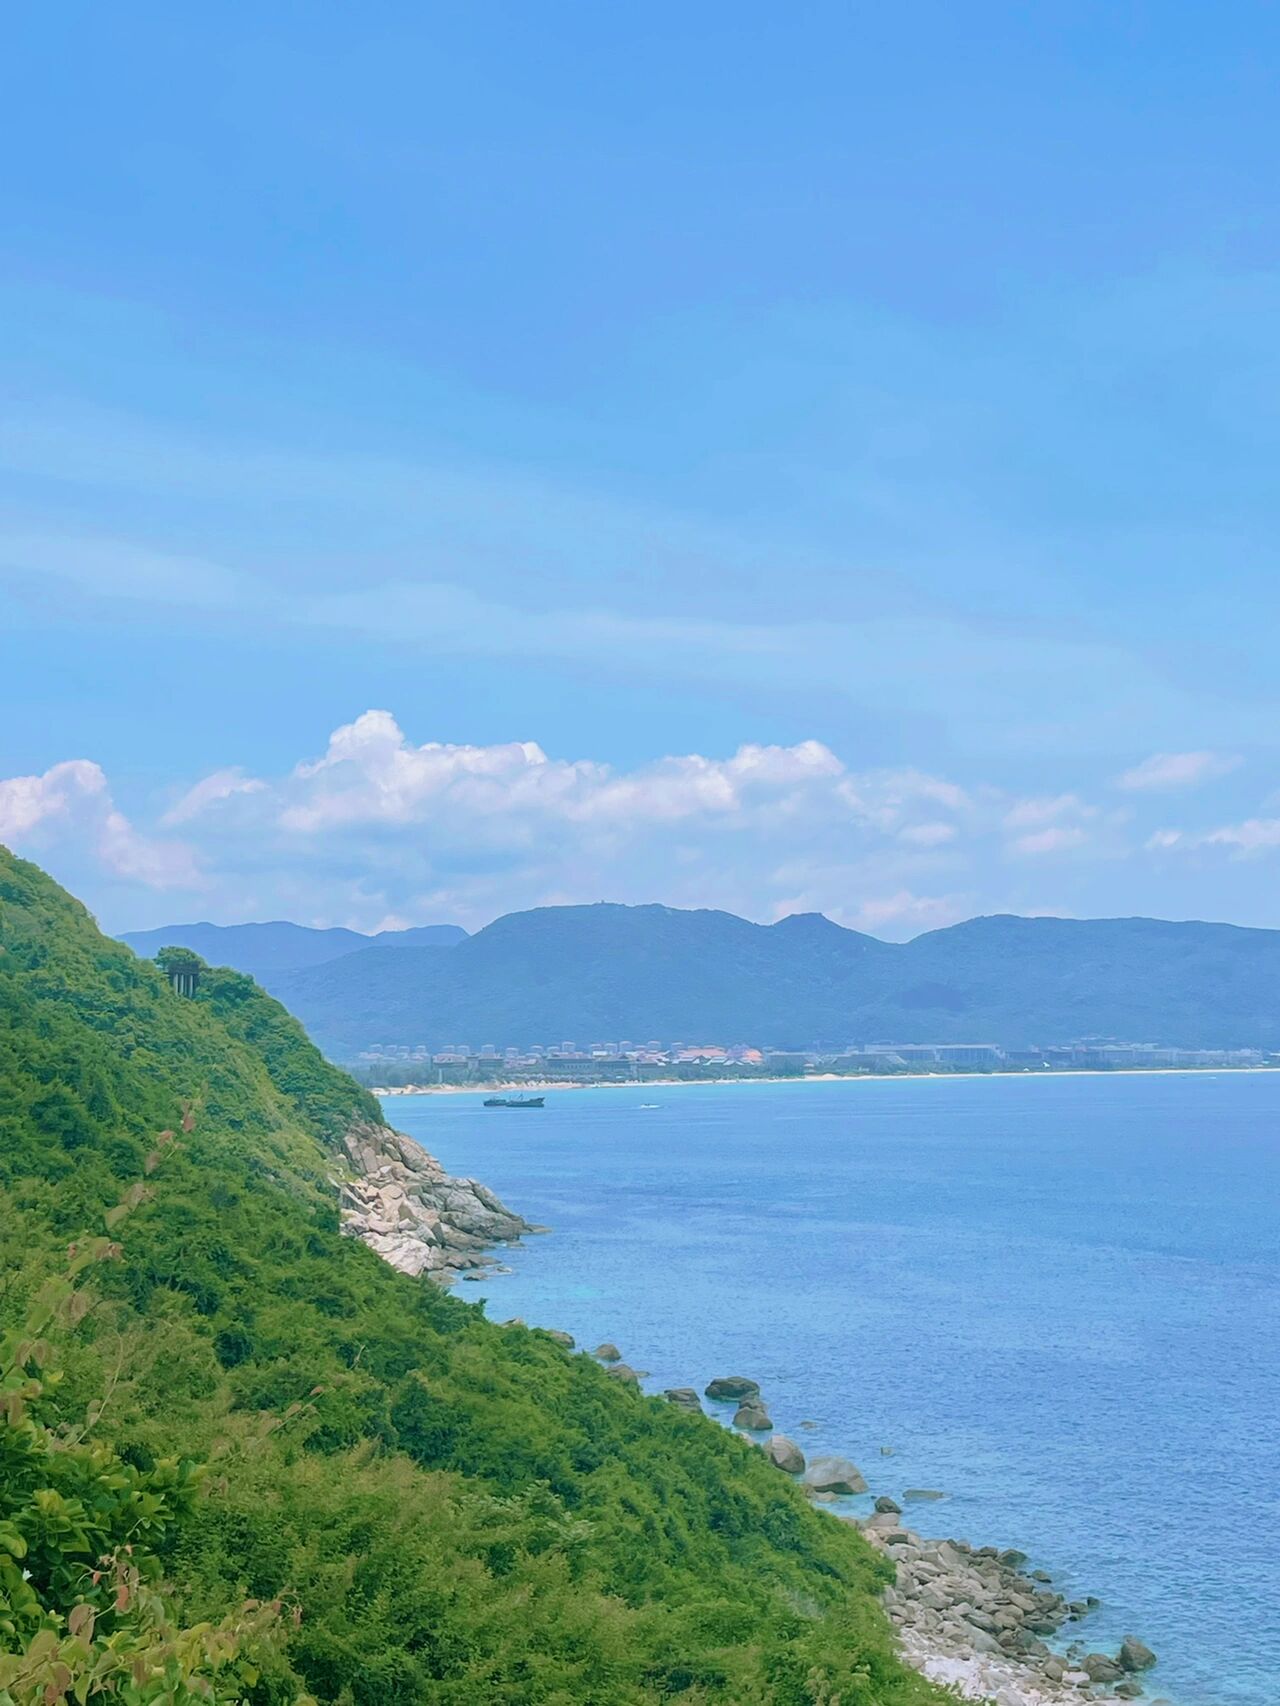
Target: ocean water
[{"x": 1057, "y": 1299}]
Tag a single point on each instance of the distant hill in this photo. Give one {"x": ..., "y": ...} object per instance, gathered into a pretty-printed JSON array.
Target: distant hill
[
  {"x": 264, "y": 950},
  {"x": 610, "y": 973}
]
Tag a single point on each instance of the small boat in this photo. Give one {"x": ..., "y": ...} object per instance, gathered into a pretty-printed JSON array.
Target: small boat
[{"x": 513, "y": 1101}]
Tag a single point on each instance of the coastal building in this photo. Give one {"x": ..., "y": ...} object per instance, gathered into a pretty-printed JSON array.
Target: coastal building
[{"x": 988, "y": 1055}]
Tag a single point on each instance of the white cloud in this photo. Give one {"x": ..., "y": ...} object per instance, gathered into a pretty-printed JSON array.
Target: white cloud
[
  {"x": 928, "y": 834},
  {"x": 211, "y": 791},
  {"x": 1029, "y": 814},
  {"x": 377, "y": 826},
  {"x": 893, "y": 912},
  {"x": 1165, "y": 771},
  {"x": 1255, "y": 835},
  {"x": 1057, "y": 839},
  {"x": 370, "y": 774},
  {"x": 141, "y": 859},
  {"x": 28, "y": 801},
  {"x": 70, "y": 805}
]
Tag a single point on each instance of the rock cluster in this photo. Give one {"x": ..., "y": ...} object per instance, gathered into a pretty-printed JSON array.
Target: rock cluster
[
  {"x": 400, "y": 1202},
  {"x": 968, "y": 1617}
]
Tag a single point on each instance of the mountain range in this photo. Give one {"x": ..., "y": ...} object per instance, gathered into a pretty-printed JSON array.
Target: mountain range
[{"x": 613, "y": 973}]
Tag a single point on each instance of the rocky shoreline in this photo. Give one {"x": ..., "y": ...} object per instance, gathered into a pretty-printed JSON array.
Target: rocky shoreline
[
  {"x": 971, "y": 1618},
  {"x": 399, "y": 1201}
]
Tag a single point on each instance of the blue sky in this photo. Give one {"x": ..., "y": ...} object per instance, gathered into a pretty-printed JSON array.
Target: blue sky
[{"x": 454, "y": 458}]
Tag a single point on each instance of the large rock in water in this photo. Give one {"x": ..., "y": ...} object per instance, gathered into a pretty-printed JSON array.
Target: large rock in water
[
  {"x": 786, "y": 1454},
  {"x": 608, "y": 1353},
  {"x": 1134, "y": 1655},
  {"x": 733, "y": 1386},
  {"x": 834, "y": 1475},
  {"x": 620, "y": 1371}
]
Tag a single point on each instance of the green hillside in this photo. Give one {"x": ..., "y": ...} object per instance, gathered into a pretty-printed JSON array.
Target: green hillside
[{"x": 335, "y": 1481}]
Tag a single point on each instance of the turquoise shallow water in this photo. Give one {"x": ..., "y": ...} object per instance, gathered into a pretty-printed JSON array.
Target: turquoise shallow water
[{"x": 1057, "y": 1299}]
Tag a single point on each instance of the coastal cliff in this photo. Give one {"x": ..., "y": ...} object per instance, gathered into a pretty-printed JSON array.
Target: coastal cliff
[{"x": 398, "y": 1199}]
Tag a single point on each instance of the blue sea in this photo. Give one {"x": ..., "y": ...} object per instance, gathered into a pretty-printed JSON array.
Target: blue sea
[{"x": 1057, "y": 1299}]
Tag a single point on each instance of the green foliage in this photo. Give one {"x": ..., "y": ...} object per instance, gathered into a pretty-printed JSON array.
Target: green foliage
[
  {"x": 463, "y": 1512},
  {"x": 81, "y": 1611},
  {"x": 178, "y": 959}
]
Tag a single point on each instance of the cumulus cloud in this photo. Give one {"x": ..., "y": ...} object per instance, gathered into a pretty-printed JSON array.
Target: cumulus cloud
[
  {"x": 71, "y": 804},
  {"x": 1165, "y": 771},
  {"x": 28, "y": 801},
  {"x": 371, "y": 774},
  {"x": 376, "y": 825}
]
